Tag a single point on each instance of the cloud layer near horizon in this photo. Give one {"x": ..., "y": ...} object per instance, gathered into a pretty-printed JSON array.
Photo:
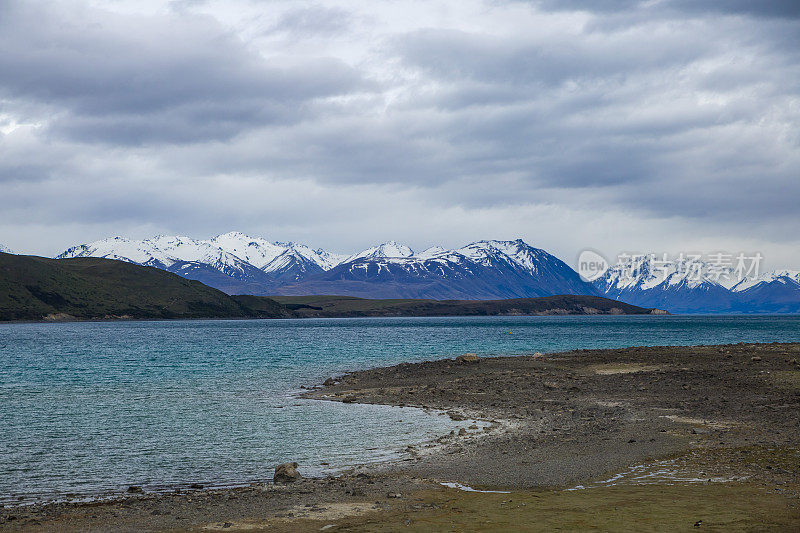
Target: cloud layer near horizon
[{"x": 617, "y": 125}]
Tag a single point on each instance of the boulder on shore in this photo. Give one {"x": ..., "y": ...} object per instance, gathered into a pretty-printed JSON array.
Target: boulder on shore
[
  {"x": 467, "y": 358},
  {"x": 286, "y": 473}
]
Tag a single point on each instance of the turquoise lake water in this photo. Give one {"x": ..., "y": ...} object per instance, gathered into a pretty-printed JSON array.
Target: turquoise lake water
[{"x": 90, "y": 408}]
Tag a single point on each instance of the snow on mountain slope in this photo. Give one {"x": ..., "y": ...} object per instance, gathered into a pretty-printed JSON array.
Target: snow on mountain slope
[
  {"x": 161, "y": 251},
  {"x": 431, "y": 252},
  {"x": 517, "y": 252},
  {"x": 485, "y": 269},
  {"x": 674, "y": 285},
  {"x": 5, "y": 249},
  {"x": 239, "y": 264},
  {"x": 646, "y": 272},
  {"x": 774, "y": 292},
  {"x": 780, "y": 276},
  {"x": 143, "y": 252},
  {"x": 227, "y": 250},
  {"x": 255, "y": 250},
  {"x": 389, "y": 249},
  {"x": 481, "y": 270}
]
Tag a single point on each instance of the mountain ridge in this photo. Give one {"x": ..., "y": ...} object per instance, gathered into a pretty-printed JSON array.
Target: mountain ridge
[
  {"x": 696, "y": 286},
  {"x": 482, "y": 270},
  {"x": 240, "y": 264}
]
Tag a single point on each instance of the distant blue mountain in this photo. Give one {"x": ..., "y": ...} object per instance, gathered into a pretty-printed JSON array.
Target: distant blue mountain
[{"x": 681, "y": 290}]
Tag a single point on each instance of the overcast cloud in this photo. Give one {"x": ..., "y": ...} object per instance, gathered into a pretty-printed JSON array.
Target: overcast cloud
[{"x": 669, "y": 125}]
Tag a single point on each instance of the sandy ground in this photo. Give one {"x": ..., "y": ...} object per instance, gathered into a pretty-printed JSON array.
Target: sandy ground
[{"x": 690, "y": 429}]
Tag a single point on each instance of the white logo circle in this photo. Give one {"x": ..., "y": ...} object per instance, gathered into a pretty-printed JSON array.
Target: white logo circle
[{"x": 591, "y": 265}]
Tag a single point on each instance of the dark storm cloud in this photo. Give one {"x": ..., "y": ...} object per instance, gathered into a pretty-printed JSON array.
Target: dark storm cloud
[{"x": 152, "y": 79}]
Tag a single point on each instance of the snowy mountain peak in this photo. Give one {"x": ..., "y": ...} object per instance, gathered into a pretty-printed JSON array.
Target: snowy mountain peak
[
  {"x": 5, "y": 249},
  {"x": 433, "y": 251},
  {"x": 779, "y": 276},
  {"x": 518, "y": 252},
  {"x": 791, "y": 274},
  {"x": 648, "y": 271},
  {"x": 387, "y": 250}
]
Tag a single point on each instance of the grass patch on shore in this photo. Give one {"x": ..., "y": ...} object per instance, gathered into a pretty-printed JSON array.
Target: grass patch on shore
[
  {"x": 622, "y": 368},
  {"x": 787, "y": 379},
  {"x": 681, "y": 507},
  {"x": 646, "y": 498}
]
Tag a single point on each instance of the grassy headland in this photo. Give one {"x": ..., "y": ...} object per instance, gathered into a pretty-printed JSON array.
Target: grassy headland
[{"x": 37, "y": 288}]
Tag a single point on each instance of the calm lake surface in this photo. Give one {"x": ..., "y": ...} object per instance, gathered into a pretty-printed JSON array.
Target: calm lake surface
[{"x": 89, "y": 408}]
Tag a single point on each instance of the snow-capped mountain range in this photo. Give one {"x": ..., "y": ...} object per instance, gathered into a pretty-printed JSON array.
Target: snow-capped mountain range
[
  {"x": 700, "y": 287},
  {"x": 240, "y": 264}
]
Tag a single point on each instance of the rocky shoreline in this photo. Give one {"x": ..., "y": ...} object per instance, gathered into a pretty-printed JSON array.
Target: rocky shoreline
[{"x": 719, "y": 419}]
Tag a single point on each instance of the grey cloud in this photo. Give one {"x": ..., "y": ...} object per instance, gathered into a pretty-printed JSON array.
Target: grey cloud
[
  {"x": 153, "y": 79},
  {"x": 462, "y": 55},
  {"x": 315, "y": 20},
  {"x": 614, "y": 108},
  {"x": 759, "y": 8},
  {"x": 171, "y": 120}
]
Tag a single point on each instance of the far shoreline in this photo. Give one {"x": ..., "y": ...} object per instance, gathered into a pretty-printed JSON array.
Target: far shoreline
[{"x": 269, "y": 319}]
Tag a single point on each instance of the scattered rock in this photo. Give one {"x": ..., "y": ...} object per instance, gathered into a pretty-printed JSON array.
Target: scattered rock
[
  {"x": 755, "y": 358},
  {"x": 537, "y": 355},
  {"x": 196, "y": 486},
  {"x": 462, "y": 432},
  {"x": 135, "y": 489},
  {"x": 286, "y": 473},
  {"x": 456, "y": 416},
  {"x": 394, "y": 495},
  {"x": 329, "y": 382},
  {"x": 467, "y": 358}
]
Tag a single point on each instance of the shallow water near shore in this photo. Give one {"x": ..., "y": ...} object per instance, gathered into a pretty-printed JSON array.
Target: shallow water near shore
[{"x": 93, "y": 407}]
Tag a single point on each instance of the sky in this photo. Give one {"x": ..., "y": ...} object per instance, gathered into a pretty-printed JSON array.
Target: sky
[{"x": 650, "y": 126}]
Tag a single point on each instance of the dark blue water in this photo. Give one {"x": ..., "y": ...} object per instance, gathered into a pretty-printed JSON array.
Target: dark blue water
[{"x": 92, "y": 407}]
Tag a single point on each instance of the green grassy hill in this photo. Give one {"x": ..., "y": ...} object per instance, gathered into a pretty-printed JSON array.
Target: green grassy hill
[
  {"x": 346, "y": 306},
  {"x": 36, "y": 288}
]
